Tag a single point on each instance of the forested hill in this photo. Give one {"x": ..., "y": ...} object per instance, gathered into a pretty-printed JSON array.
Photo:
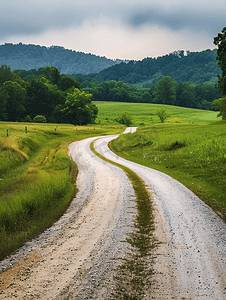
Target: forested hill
[
  {"x": 27, "y": 57},
  {"x": 197, "y": 67}
]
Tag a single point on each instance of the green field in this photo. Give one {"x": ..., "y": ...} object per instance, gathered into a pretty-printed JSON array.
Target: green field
[
  {"x": 144, "y": 114},
  {"x": 194, "y": 154},
  {"x": 37, "y": 178}
]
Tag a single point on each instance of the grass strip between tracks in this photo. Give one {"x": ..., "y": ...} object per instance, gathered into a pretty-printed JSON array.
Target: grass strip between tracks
[{"x": 133, "y": 275}]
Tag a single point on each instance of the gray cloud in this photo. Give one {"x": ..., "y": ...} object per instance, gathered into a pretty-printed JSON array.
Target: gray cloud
[
  {"x": 180, "y": 18},
  {"x": 23, "y": 17}
]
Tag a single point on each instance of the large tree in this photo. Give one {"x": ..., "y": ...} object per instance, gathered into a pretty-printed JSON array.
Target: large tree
[
  {"x": 165, "y": 91},
  {"x": 220, "y": 41},
  {"x": 79, "y": 109},
  {"x": 15, "y": 96}
]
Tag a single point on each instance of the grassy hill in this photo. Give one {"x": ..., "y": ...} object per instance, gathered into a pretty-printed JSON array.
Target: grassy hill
[{"x": 145, "y": 114}]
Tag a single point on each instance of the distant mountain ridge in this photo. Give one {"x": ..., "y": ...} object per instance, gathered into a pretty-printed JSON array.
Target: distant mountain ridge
[
  {"x": 197, "y": 67},
  {"x": 27, "y": 57}
]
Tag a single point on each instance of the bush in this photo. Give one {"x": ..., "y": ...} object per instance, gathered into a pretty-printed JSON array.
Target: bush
[
  {"x": 125, "y": 119},
  {"x": 163, "y": 115},
  {"x": 39, "y": 119}
]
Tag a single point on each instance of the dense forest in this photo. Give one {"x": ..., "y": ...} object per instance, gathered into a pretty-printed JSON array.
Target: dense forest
[
  {"x": 27, "y": 57},
  {"x": 165, "y": 91},
  {"x": 197, "y": 67},
  {"x": 56, "y": 97},
  {"x": 51, "y": 97},
  {"x": 186, "y": 94}
]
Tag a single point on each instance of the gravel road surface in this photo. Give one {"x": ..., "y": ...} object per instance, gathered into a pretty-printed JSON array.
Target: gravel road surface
[
  {"x": 191, "y": 259},
  {"x": 76, "y": 258}
]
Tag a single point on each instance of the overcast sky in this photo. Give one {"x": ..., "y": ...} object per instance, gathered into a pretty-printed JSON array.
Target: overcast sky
[{"x": 126, "y": 29}]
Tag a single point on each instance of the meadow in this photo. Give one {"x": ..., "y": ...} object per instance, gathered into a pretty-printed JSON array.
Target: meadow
[
  {"x": 145, "y": 114},
  {"x": 194, "y": 154},
  {"x": 37, "y": 178}
]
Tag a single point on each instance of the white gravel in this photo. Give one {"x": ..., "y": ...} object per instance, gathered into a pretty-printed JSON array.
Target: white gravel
[{"x": 77, "y": 256}]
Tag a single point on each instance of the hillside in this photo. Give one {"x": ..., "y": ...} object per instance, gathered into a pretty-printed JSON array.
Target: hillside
[
  {"x": 198, "y": 67},
  {"x": 27, "y": 57}
]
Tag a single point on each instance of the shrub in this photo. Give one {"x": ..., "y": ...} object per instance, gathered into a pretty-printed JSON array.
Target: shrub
[
  {"x": 39, "y": 119},
  {"x": 125, "y": 119},
  {"x": 162, "y": 114}
]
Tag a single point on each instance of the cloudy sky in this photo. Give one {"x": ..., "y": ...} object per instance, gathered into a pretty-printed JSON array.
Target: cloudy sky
[{"x": 125, "y": 29}]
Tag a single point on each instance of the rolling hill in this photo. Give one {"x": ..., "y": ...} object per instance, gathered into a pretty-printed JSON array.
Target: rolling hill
[{"x": 27, "y": 57}]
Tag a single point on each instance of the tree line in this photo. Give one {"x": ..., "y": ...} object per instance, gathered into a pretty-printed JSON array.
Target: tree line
[
  {"x": 165, "y": 91},
  {"x": 57, "y": 98}
]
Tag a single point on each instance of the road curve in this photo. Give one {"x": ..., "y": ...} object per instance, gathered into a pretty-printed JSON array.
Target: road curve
[
  {"x": 191, "y": 259},
  {"x": 76, "y": 258}
]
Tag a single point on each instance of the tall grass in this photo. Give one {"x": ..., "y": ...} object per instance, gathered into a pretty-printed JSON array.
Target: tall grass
[
  {"x": 37, "y": 177},
  {"x": 193, "y": 154}
]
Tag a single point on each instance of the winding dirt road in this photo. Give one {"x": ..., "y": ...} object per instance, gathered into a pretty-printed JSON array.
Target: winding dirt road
[{"x": 77, "y": 257}]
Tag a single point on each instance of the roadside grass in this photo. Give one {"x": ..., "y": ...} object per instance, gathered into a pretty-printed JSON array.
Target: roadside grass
[
  {"x": 194, "y": 154},
  {"x": 37, "y": 178},
  {"x": 133, "y": 275},
  {"x": 145, "y": 114}
]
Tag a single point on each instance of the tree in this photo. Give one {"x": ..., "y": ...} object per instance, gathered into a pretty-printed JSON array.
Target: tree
[
  {"x": 220, "y": 41},
  {"x": 52, "y": 73},
  {"x": 2, "y": 106},
  {"x": 79, "y": 109},
  {"x": 220, "y": 104},
  {"x": 165, "y": 91},
  {"x": 15, "y": 96},
  {"x": 162, "y": 114}
]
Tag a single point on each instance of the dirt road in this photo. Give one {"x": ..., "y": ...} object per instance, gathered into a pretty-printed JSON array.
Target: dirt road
[
  {"x": 76, "y": 258},
  {"x": 191, "y": 259}
]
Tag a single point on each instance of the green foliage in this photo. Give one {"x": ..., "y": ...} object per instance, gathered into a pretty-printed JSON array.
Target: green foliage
[
  {"x": 125, "y": 119},
  {"x": 220, "y": 104},
  {"x": 15, "y": 96},
  {"x": 162, "y": 114},
  {"x": 165, "y": 91},
  {"x": 220, "y": 41},
  {"x": 79, "y": 109},
  {"x": 197, "y": 67},
  {"x": 47, "y": 96},
  {"x": 39, "y": 119}
]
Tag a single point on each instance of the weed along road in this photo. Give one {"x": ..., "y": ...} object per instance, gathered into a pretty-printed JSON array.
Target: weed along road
[{"x": 77, "y": 258}]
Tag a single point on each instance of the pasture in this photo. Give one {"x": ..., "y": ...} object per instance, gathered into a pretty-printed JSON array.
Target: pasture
[{"x": 145, "y": 114}]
